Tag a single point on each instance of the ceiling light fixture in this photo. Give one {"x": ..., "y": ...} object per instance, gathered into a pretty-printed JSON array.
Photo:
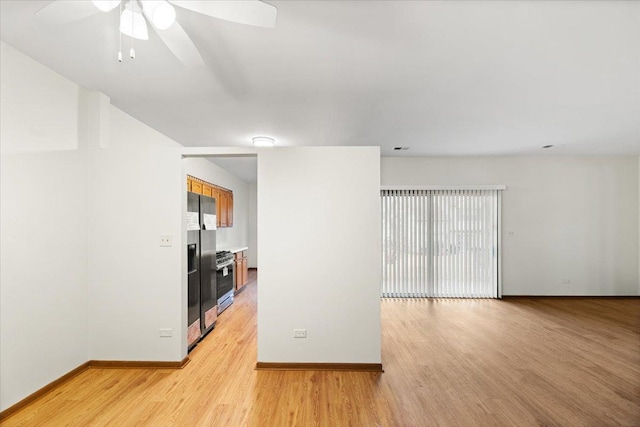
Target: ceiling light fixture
[
  {"x": 263, "y": 141},
  {"x": 163, "y": 17},
  {"x": 161, "y": 14},
  {"x": 132, "y": 22}
]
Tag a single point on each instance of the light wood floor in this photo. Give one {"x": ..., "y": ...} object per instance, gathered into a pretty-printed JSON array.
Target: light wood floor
[{"x": 517, "y": 362}]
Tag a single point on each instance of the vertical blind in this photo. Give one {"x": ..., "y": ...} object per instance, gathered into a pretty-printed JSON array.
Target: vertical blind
[{"x": 440, "y": 243}]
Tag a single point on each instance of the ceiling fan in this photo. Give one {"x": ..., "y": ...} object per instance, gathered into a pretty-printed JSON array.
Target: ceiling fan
[{"x": 161, "y": 15}]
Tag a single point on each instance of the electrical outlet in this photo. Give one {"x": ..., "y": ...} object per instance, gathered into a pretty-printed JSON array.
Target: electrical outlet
[
  {"x": 566, "y": 281},
  {"x": 299, "y": 333},
  {"x": 166, "y": 240},
  {"x": 511, "y": 233},
  {"x": 165, "y": 333}
]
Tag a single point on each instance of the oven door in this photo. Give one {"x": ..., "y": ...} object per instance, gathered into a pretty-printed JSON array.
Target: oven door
[{"x": 224, "y": 284}]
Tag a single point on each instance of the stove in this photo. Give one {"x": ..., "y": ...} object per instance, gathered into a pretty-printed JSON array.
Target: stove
[
  {"x": 223, "y": 257},
  {"x": 225, "y": 279}
]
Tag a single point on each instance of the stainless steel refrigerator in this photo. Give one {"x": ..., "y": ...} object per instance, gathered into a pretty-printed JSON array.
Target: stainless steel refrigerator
[
  {"x": 202, "y": 308},
  {"x": 208, "y": 296}
]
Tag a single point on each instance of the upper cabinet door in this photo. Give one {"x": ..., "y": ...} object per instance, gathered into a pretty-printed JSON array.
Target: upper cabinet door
[
  {"x": 224, "y": 200},
  {"x": 216, "y": 195},
  {"x": 196, "y": 187},
  {"x": 207, "y": 190},
  {"x": 230, "y": 209}
]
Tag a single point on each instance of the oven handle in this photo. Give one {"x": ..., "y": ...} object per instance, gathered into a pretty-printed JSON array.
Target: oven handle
[{"x": 226, "y": 264}]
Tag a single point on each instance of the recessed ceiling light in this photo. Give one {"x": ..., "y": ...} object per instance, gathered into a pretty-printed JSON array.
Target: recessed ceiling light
[
  {"x": 400, "y": 148},
  {"x": 263, "y": 141},
  {"x": 547, "y": 146}
]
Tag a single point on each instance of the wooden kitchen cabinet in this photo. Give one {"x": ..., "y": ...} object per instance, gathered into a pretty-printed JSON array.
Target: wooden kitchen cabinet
[
  {"x": 242, "y": 270},
  {"x": 224, "y": 206},
  {"x": 196, "y": 187},
  {"x": 207, "y": 190},
  {"x": 239, "y": 270},
  {"x": 215, "y": 193},
  {"x": 224, "y": 199},
  {"x": 245, "y": 268},
  {"x": 230, "y": 209},
  {"x": 224, "y": 217}
]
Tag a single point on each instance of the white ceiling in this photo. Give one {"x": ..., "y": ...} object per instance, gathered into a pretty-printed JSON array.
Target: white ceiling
[
  {"x": 443, "y": 78},
  {"x": 245, "y": 168}
]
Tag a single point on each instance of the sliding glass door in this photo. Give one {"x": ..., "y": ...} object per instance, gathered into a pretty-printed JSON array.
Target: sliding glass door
[{"x": 440, "y": 243}]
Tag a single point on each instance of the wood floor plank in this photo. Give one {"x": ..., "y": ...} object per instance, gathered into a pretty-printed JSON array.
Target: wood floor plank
[{"x": 519, "y": 361}]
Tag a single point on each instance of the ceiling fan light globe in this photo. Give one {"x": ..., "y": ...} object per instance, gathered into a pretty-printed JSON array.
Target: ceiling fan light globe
[
  {"x": 106, "y": 5},
  {"x": 160, "y": 13},
  {"x": 135, "y": 26},
  {"x": 164, "y": 17}
]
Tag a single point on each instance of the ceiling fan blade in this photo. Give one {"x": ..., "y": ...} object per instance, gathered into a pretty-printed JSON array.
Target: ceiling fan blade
[
  {"x": 65, "y": 11},
  {"x": 181, "y": 45},
  {"x": 250, "y": 12}
]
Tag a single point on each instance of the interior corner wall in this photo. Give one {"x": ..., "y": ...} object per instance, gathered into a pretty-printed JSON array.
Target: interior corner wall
[
  {"x": 564, "y": 219},
  {"x": 83, "y": 276},
  {"x": 319, "y": 244},
  {"x": 226, "y": 237},
  {"x": 43, "y": 226}
]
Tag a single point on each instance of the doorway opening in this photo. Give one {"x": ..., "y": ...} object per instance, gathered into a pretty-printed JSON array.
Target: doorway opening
[{"x": 220, "y": 240}]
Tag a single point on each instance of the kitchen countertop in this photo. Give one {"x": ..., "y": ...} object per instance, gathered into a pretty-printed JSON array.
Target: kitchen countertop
[{"x": 234, "y": 249}]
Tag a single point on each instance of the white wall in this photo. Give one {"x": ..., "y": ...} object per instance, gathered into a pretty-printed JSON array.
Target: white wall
[
  {"x": 573, "y": 218},
  {"x": 319, "y": 245},
  {"x": 43, "y": 227},
  {"x": 136, "y": 190},
  {"x": 252, "y": 256},
  {"x": 226, "y": 237}
]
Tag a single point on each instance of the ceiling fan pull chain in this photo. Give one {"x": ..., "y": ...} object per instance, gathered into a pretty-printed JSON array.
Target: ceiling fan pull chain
[
  {"x": 132, "y": 53},
  {"x": 120, "y": 38}
]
